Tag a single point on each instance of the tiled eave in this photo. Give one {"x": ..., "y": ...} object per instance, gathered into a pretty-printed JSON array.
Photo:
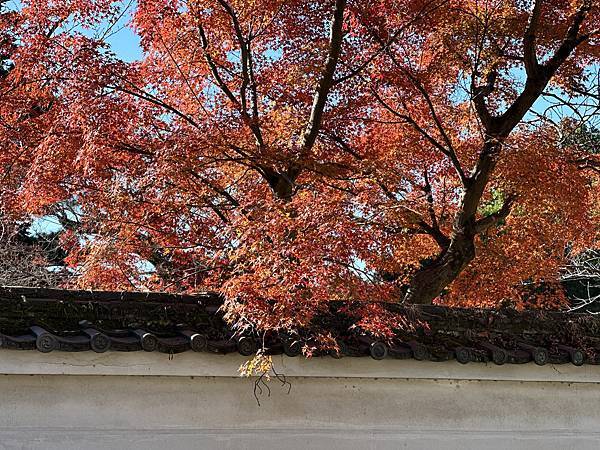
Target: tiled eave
[{"x": 50, "y": 320}]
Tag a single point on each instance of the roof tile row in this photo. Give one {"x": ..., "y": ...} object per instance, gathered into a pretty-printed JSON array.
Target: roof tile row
[{"x": 58, "y": 320}]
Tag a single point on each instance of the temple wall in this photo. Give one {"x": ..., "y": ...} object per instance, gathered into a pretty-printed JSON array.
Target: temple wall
[{"x": 196, "y": 401}]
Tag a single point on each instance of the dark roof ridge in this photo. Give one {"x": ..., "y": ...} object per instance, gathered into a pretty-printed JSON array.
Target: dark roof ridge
[
  {"x": 105, "y": 296},
  {"x": 212, "y": 298},
  {"x": 78, "y": 320}
]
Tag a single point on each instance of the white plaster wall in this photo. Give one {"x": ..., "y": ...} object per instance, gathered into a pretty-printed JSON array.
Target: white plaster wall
[{"x": 340, "y": 408}]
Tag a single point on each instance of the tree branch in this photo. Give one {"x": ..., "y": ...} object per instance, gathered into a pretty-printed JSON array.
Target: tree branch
[
  {"x": 409, "y": 120},
  {"x": 493, "y": 219},
  {"x": 227, "y": 91},
  {"x": 529, "y": 47},
  {"x": 320, "y": 97}
]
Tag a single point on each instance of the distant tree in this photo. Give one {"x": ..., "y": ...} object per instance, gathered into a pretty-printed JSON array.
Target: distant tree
[
  {"x": 586, "y": 138},
  {"x": 27, "y": 260},
  {"x": 581, "y": 275},
  {"x": 581, "y": 279}
]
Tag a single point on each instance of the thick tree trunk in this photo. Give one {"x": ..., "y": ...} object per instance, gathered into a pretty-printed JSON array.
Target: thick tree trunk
[{"x": 429, "y": 282}]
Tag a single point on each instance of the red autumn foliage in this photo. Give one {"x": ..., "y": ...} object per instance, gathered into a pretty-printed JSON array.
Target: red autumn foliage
[{"x": 291, "y": 153}]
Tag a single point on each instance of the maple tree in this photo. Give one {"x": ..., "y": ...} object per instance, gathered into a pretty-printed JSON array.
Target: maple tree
[{"x": 291, "y": 153}]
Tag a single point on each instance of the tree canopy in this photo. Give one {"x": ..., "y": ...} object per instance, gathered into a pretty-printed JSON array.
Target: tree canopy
[{"x": 289, "y": 153}]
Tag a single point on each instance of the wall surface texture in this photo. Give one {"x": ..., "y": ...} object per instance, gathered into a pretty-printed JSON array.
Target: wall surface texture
[{"x": 196, "y": 401}]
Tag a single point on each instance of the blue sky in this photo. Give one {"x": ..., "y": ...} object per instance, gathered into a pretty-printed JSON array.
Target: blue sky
[
  {"x": 126, "y": 44},
  {"x": 123, "y": 41}
]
